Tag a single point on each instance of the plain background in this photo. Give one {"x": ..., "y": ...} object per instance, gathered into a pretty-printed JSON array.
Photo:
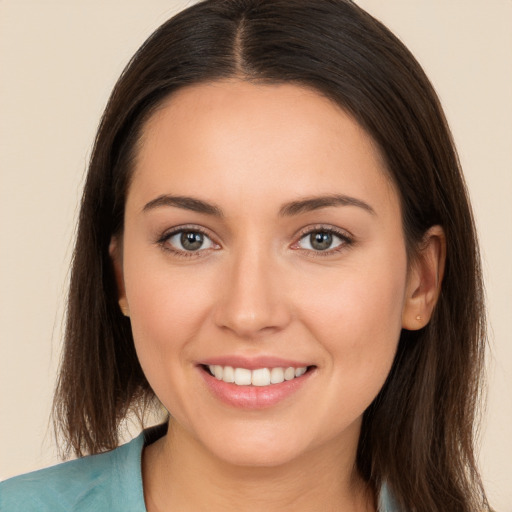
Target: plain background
[{"x": 58, "y": 63}]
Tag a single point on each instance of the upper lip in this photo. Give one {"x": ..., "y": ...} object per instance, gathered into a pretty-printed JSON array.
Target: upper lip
[{"x": 253, "y": 363}]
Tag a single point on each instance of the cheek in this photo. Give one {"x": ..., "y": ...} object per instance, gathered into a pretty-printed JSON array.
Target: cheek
[
  {"x": 357, "y": 317},
  {"x": 167, "y": 308},
  {"x": 161, "y": 295},
  {"x": 357, "y": 301}
]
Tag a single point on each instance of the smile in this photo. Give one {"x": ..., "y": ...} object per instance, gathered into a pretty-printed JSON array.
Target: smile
[
  {"x": 255, "y": 383},
  {"x": 257, "y": 377}
]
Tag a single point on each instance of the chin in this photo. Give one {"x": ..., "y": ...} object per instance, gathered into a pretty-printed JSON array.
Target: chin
[
  {"x": 258, "y": 456},
  {"x": 256, "y": 449}
]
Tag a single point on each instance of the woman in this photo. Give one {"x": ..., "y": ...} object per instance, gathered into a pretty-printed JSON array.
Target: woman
[{"x": 275, "y": 241}]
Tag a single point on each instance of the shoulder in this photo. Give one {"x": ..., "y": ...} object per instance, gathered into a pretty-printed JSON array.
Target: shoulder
[
  {"x": 63, "y": 487},
  {"x": 107, "y": 481},
  {"x": 386, "y": 500}
]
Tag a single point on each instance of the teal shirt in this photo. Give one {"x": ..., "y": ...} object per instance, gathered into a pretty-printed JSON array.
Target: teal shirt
[{"x": 109, "y": 481}]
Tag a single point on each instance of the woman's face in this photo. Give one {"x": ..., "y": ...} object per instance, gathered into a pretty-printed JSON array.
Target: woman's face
[{"x": 262, "y": 233}]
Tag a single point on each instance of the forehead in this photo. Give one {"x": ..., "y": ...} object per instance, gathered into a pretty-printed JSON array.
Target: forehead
[{"x": 229, "y": 138}]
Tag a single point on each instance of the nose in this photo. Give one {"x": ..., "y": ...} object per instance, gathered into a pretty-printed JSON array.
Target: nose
[{"x": 252, "y": 296}]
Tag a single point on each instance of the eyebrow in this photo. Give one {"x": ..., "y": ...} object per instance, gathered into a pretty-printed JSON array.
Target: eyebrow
[
  {"x": 186, "y": 203},
  {"x": 315, "y": 203},
  {"x": 287, "y": 210}
]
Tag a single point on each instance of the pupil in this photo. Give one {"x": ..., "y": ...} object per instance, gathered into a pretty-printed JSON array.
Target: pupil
[
  {"x": 321, "y": 241},
  {"x": 191, "y": 241}
]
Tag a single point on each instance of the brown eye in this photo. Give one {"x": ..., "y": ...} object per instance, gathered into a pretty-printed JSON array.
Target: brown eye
[
  {"x": 189, "y": 241},
  {"x": 322, "y": 240}
]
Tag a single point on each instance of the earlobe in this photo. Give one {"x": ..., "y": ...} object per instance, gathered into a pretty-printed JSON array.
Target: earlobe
[
  {"x": 424, "y": 280},
  {"x": 123, "y": 306},
  {"x": 115, "y": 252}
]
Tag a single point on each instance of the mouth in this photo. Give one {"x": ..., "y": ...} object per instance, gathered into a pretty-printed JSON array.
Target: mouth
[
  {"x": 255, "y": 383},
  {"x": 259, "y": 377}
]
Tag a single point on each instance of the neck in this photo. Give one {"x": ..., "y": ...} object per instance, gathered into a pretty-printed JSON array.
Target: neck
[{"x": 180, "y": 474}]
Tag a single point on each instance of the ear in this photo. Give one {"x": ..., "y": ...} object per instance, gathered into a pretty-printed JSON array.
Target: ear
[
  {"x": 424, "y": 280},
  {"x": 115, "y": 250}
]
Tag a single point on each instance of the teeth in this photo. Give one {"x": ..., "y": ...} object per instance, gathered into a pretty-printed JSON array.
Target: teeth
[
  {"x": 258, "y": 377},
  {"x": 229, "y": 374},
  {"x": 300, "y": 371},
  {"x": 218, "y": 372},
  {"x": 276, "y": 375},
  {"x": 242, "y": 377},
  {"x": 289, "y": 373}
]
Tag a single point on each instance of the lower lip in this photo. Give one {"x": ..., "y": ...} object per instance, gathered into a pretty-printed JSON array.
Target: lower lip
[{"x": 253, "y": 397}]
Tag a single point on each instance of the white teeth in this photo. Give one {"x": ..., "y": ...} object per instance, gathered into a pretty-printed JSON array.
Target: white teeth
[
  {"x": 276, "y": 375},
  {"x": 261, "y": 377},
  {"x": 289, "y": 373},
  {"x": 300, "y": 371},
  {"x": 258, "y": 377},
  {"x": 242, "y": 376},
  {"x": 218, "y": 371},
  {"x": 229, "y": 374}
]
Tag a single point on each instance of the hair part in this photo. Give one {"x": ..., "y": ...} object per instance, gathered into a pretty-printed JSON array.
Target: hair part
[{"x": 418, "y": 433}]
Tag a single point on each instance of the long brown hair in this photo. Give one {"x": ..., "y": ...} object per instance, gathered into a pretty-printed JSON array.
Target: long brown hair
[{"x": 418, "y": 433}]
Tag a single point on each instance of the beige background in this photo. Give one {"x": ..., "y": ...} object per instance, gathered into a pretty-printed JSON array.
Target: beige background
[{"x": 58, "y": 63}]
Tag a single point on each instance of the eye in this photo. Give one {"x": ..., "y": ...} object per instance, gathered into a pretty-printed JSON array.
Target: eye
[
  {"x": 323, "y": 240},
  {"x": 188, "y": 240}
]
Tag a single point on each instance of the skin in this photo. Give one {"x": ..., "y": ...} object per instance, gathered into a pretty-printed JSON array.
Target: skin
[{"x": 257, "y": 287}]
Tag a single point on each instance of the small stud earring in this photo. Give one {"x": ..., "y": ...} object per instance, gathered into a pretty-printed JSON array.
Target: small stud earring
[{"x": 418, "y": 318}]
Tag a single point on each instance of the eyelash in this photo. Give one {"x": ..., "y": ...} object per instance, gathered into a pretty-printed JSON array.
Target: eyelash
[
  {"x": 346, "y": 241},
  {"x": 162, "y": 241}
]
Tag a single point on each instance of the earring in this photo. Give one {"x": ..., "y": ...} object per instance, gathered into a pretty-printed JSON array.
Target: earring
[{"x": 418, "y": 318}]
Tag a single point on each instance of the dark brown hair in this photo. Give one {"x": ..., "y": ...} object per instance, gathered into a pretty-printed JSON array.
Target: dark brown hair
[{"x": 418, "y": 433}]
